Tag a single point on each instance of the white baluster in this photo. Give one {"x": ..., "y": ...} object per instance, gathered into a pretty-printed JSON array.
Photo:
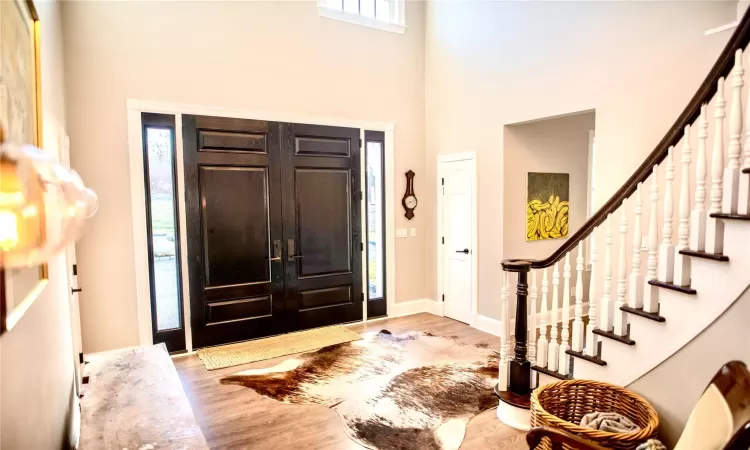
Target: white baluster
[
  {"x": 635, "y": 299},
  {"x": 732, "y": 171},
  {"x": 592, "y": 340},
  {"x": 715, "y": 227},
  {"x": 744, "y": 195},
  {"x": 606, "y": 305},
  {"x": 542, "y": 343},
  {"x": 621, "y": 318},
  {"x": 698, "y": 216},
  {"x": 531, "y": 327},
  {"x": 651, "y": 293},
  {"x": 578, "y": 328},
  {"x": 666, "y": 249},
  {"x": 682, "y": 262},
  {"x": 553, "y": 345},
  {"x": 502, "y": 382},
  {"x": 564, "y": 359}
]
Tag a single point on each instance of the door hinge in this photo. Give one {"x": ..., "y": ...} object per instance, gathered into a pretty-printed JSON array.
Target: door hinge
[
  {"x": 362, "y": 296},
  {"x": 361, "y": 246},
  {"x": 80, "y": 358},
  {"x": 360, "y": 195},
  {"x": 442, "y": 181},
  {"x": 443, "y": 297},
  {"x": 75, "y": 269},
  {"x": 360, "y": 143},
  {"x": 443, "y": 238}
]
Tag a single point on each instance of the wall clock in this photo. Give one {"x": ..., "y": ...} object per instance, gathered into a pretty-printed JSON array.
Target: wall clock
[{"x": 409, "y": 201}]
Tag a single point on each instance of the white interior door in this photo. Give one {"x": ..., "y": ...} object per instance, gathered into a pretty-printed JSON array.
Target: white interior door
[
  {"x": 70, "y": 262},
  {"x": 457, "y": 178}
]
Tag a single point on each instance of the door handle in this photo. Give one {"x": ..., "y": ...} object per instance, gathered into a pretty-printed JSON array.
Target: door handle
[
  {"x": 464, "y": 251},
  {"x": 276, "y": 251},
  {"x": 74, "y": 290},
  {"x": 290, "y": 249}
]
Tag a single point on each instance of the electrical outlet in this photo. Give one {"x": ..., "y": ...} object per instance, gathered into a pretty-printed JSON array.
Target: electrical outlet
[
  {"x": 644, "y": 244},
  {"x": 572, "y": 291}
]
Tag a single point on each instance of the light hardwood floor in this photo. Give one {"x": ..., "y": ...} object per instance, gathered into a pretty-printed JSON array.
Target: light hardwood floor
[{"x": 234, "y": 417}]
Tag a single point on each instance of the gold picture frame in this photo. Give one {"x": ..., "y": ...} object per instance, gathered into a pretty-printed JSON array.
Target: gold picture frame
[{"x": 21, "y": 117}]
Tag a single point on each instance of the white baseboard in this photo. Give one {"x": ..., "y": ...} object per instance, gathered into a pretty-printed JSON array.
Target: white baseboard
[
  {"x": 414, "y": 307},
  {"x": 488, "y": 325}
]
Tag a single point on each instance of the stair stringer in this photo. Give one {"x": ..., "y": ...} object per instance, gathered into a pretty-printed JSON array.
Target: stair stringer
[{"x": 718, "y": 286}]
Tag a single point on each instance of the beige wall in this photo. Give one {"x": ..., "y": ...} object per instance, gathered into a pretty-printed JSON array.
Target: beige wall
[
  {"x": 489, "y": 64},
  {"x": 36, "y": 357},
  {"x": 675, "y": 386},
  {"x": 278, "y": 56},
  {"x": 558, "y": 145}
]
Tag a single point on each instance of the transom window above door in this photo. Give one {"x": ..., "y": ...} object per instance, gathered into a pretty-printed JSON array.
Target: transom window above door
[{"x": 385, "y": 15}]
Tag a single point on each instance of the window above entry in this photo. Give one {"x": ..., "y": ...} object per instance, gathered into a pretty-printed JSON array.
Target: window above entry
[{"x": 387, "y": 15}]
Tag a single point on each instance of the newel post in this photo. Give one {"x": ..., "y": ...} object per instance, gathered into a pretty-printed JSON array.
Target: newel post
[{"x": 520, "y": 367}]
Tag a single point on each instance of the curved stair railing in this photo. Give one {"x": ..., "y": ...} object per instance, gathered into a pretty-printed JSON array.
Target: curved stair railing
[{"x": 700, "y": 230}]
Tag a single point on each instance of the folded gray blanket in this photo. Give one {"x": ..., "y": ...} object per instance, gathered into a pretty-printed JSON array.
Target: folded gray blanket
[{"x": 609, "y": 421}]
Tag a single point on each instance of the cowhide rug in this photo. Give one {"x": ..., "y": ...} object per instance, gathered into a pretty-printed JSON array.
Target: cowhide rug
[{"x": 409, "y": 391}]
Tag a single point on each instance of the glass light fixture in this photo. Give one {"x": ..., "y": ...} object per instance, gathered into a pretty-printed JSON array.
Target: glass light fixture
[{"x": 43, "y": 205}]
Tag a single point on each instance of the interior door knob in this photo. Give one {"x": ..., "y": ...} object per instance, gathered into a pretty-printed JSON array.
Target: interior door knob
[
  {"x": 74, "y": 290},
  {"x": 464, "y": 251}
]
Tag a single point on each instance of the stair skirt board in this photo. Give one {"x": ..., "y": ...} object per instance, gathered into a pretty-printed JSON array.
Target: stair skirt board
[{"x": 717, "y": 287}]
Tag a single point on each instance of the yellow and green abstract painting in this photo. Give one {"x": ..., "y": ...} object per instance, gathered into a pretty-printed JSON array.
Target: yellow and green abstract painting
[{"x": 547, "y": 206}]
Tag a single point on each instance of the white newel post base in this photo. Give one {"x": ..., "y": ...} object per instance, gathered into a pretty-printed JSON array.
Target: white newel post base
[
  {"x": 541, "y": 353},
  {"x": 665, "y": 272},
  {"x": 698, "y": 231},
  {"x": 650, "y": 298},
  {"x": 635, "y": 290},
  {"x": 714, "y": 236},
  {"x": 502, "y": 379},
  {"x": 731, "y": 190},
  {"x": 552, "y": 353},
  {"x": 744, "y": 195},
  {"x": 681, "y": 269},
  {"x": 621, "y": 322},
  {"x": 578, "y": 334},
  {"x": 563, "y": 361},
  {"x": 592, "y": 342},
  {"x": 513, "y": 416}
]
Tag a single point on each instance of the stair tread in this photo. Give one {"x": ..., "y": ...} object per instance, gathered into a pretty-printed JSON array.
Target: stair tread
[
  {"x": 705, "y": 255},
  {"x": 624, "y": 339},
  {"x": 730, "y": 216},
  {"x": 592, "y": 359},
  {"x": 684, "y": 289},
  {"x": 551, "y": 373},
  {"x": 642, "y": 313}
]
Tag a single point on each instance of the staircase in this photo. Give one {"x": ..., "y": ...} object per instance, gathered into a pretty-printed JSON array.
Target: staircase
[{"x": 644, "y": 303}]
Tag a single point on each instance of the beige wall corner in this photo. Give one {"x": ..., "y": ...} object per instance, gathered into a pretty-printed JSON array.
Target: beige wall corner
[{"x": 36, "y": 363}]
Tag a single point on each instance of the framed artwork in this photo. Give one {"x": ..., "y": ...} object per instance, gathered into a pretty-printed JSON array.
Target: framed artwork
[
  {"x": 547, "y": 196},
  {"x": 21, "y": 119}
]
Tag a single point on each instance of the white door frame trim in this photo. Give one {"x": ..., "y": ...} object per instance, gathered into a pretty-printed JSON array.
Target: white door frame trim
[
  {"x": 135, "y": 107},
  {"x": 450, "y": 157}
]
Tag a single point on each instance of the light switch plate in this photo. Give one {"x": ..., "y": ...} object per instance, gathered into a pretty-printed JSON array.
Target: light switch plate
[
  {"x": 413, "y": 232},
  {"x": 401, "y": 232}
]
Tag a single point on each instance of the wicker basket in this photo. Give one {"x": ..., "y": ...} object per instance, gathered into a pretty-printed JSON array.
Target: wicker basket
[{"x": 563, "y": 404}]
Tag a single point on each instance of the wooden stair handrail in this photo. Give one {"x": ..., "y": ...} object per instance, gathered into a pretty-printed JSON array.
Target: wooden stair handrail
[{"x": 723, "y": 66}]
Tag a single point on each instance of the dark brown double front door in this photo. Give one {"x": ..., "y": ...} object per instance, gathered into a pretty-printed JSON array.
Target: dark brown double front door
[{"x": 273, "y": 227}]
